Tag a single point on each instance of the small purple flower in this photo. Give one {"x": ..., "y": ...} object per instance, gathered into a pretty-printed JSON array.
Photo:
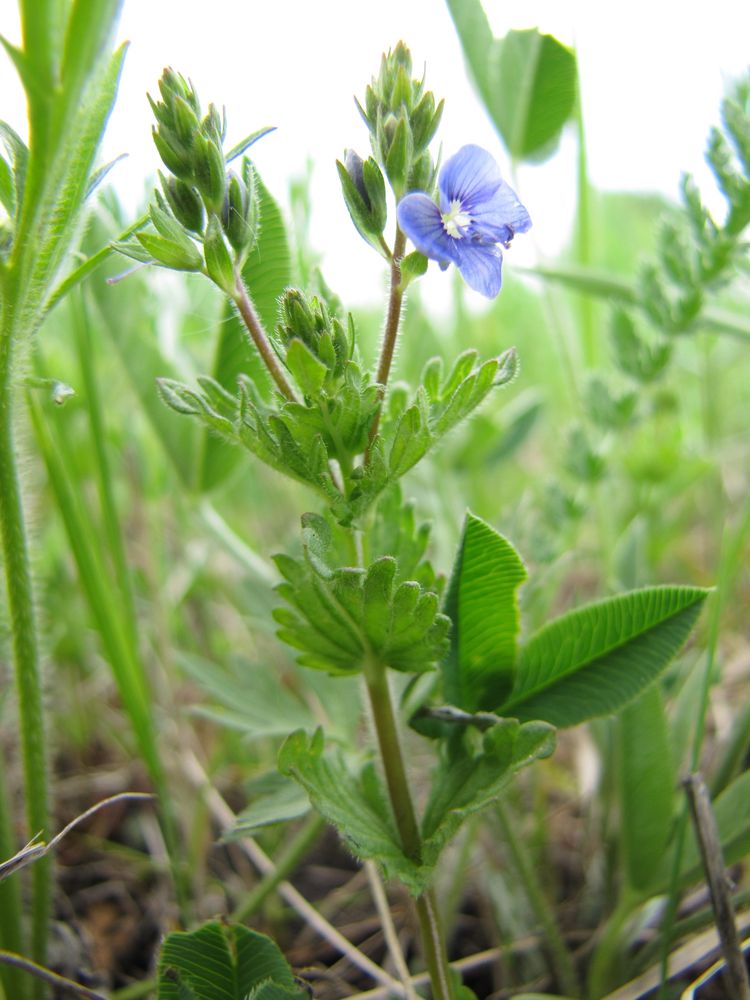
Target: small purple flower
[{"x": 477, "y": 211}]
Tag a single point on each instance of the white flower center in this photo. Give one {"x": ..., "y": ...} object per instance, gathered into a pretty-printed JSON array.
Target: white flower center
[{"x": 455, "y": 220}]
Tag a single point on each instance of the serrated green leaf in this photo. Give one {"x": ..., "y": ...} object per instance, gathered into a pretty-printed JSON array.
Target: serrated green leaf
[
  {"x": 221, "y": 962},
  {"x": 353, "y": 803},
  {"x": 266, "y": 272},
  {"x": 274, "y": 798},
  {"x": 648, "y": 784},
  {"x": 595, "y": 660},
  {"x": 466, "y": 782},
  {"x": 481, "y": 602}
]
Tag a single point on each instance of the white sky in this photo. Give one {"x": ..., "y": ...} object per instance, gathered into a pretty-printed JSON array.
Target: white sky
[{"x": 653, "y": 74}]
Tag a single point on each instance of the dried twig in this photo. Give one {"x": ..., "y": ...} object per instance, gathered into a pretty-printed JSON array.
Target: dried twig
[
  {"x": 707, "y": 834},
  {"x": 19, "y": 962},
  {"x": 37, "y": 848}
]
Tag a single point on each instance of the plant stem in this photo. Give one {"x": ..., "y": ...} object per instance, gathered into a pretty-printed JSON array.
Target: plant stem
[
  {"x": 25, "y": 645},
  {"x": 392, "y": 320},
  {"x": 562, "y": 962},
  {"x": 11, "y": 936},
  {"x": 406, "y": 823},
  {"x": 260, "y": 339}
]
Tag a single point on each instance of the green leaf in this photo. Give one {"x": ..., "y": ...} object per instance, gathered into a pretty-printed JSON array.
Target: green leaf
[
  {"x": 595, "y": 660},
  {"x": 648, "y": 783},
  {"x": 273, "y": 799},
  {"x": 482, "y": 603},
  {"x": 527, "y": 80},
  {"x": 477, "y": 41},
  {"x": 466, "y": 782},
  {"x": 534, "y": 89},
  {"x": 266, "y": 272},
  {"x": 354, "y": 803},
  {"x": 221, "y": 962},
  {"x": 90, "y": 26},
  {"x": 342, "y": 618}
]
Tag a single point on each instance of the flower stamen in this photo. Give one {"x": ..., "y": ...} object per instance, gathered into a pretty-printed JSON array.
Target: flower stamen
[{"x": 456, "y": 221}]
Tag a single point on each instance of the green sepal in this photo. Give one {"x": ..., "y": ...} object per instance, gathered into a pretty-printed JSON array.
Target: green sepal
[
  {"x": 365, "y": 222},
  {"x": 209, "y": 171},
  {"x": 219, "y": 265},
  {"x": 184, "y": 202},
  {"x": 309, "y": 373},
  {"x": 180, "y": 256},
  {"x": 399, "y": 158}
]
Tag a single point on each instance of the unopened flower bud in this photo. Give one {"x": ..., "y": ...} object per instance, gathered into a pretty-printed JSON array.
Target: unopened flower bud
[
  {"x": 210, "y": 173},
  {"x": 185, "y": 203},
  {"x": 354, "y": 164}
]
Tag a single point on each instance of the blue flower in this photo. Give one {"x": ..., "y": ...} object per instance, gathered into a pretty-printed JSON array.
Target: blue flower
[{"x": 477, "y": 212}]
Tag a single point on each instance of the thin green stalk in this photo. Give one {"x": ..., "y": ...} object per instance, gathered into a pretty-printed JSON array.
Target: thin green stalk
[
  {"x": 260, "y": 339},
  {"x": 12, "y": 981},
  {"x": 287, "y": 862},
  {"x": 562, "y": 961},
  {"x": 433, "y": 942},
  {"x": 25, "y": 644},
  {"x": 392, "y": 320}
]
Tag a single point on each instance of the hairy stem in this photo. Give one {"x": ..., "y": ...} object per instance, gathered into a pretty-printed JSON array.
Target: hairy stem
[
  {"x": 260, "y": 339},
  {"x": 389, "y": 743},
  {"x": 392, "y": 320},
  {"x": 25, "y": 646}
]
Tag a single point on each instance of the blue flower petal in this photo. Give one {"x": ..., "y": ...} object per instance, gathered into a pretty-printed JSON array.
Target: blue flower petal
[
  {"x": 473, "y": 177},
  {"x": 470, "y": 175},
  {"x": 420, "y": 219},
  {"x": 499, "y": 218},
  {"x": 482, "y": 268}
]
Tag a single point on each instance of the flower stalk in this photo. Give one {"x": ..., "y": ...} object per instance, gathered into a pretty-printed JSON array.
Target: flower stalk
[
  {"x": 260, "y": 339},
  {"x": 389, "y": 743}
]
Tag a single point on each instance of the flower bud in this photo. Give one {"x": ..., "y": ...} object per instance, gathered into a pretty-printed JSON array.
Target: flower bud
[
  {"x": 184, "y": 202},
  {"x": 174, "y": 155},
  {"x": 353, "y": 164},
  {"x": 364, "y": 193},
  {"x": 308, "y": 321},
  {"x": 210, "y": 173}
]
